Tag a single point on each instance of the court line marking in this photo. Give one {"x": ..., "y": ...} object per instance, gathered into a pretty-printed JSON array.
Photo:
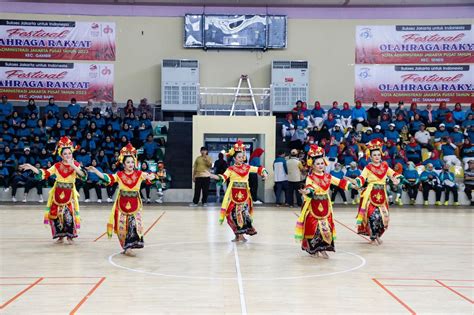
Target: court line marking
[
  {"x": 455, "y": 292},
  {"x": 362, "y": 264},
  {"x": 21, "y": 293},
  {"x": 243, "y": 305},
  {"x": 394, "y": 296},
  {"x": 154, "y": 223},
  {"x": 88, "y": 295}
]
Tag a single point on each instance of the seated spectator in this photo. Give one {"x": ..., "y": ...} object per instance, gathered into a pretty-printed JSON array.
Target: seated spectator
[
  {"x": 330, "y": 122},
  {"x": 317, "y": 115},
  {"x": 440, "y": 133},
  {"x": 57, "y": 131},
  {"x": 145, "y": 120},
  {"x": 115, "y": 122},
  {"x": 301, "y": 129},
  {"x": 75, "y": 134},
  {"x": 82, "y": 122},
  {"x": 129, "y": 108},
  {"x": 350, "y": 134},
  {"x": 332, "y": 152},
  {"x": 144, "y": 108},
  {"x": 449, "y": 152},
  {"x": 10, "y": 161},
  {"x": 108, "y": 146},
  {"x": 89, "y": 144},
  {"x": 469, "y": 181},
  {"x": 448, "y": 181},
  {"x": 96, "y": 133},
  {"x": 99, "y": 121},
  {"x": 346, "y": 117},
  {"x": 40, "y": 130},
  {"x": 146, "y": 184},
  {"x": 367, "y": 136},
  {"x": 458, "y": 114},
  {"x": 126, "y": 132},
  {"x": 4, "y": 177},
  {"x": 131, "y": 121},
  {"x": 337, "y": 133},
  {"x": 88, "y": 110},
  {"x": 442, "y": 111},
  {"x": 378, "y": 133},
  {"x": 430, "y": 181},
  {"x": 103, "y": 109},
  {"x": 386, "y": 110},
  {"x": 400, "y": 158},
  {"x": 299, "y": 109},
  {"x": 143, "y": 133},
  {"x": 114, "y": 109},
  {"x": 400, "y": 122},
  {"x": 44, "y": 158},
  {"x": 449, "y": 122},
  {"x": 102, "y": 160},
  {"x": 36, "y": 146},
  {"x": 15, "y": 119},
  {"x": 467, "y": 152},
  {"x": 423, "y": 137},
  {"x": 288, "y": 128},
  {"x": 17, "y": 146},
  {"x": 394, "y": 191},
  {"x": 435, "y": 161},
  {"x": 73, "y": 109},
  {"x": 93, "y": 181},
  {"x": 415, "y": 124},
  {"x": 353, "y": 172},
  {"x": 468, "y": 122},
  {"x": 413, "y": 112},
  {"x": 6, "y": 108},
  {"x": 373, "y": 115},
  {"x": 27, "y": 157},
  {"x": 30, "y": 108},
  {"x": 23, "y": 133},
  {"x": 83, "y": 157},
  {"x": 334, "y": 110},
  {"x": 413, "y": 151},
  {"x": 338, "y": 173},
  {"x": 391, "y": 152},
  {"x": 430, "y": 116},
  {"x": 52, "y": 107},
  {"x": 32, "y": 121},
  {"x": 359, "y": 116},
  {"x": 411, "y": 180},
  {"x": 164, "y": 180},
  {"x": 51, "y": 121},
  {"x": 457, "y": 136},
  {"x": 66, "y": 122},
  {"x": 111, "y": 188},
  {"x": 150, "y": 148},
  {"x": 400, "y": 110},
  {"x": 28, "y": 181}
]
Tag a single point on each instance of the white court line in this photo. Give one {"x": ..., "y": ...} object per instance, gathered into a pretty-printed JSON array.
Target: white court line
[{"x": 243, "y": 306}]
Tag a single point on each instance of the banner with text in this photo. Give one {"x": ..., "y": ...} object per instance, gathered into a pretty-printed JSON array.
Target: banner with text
[
  {"x": 414, "y": 83},
  {"x": 22, "y": 39},
  {"x": 63, "y": 81},
  {"x": 414, "y": 44}
]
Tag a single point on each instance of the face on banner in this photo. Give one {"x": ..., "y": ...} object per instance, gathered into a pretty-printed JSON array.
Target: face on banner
[
  {"x": 63, "y": 81},
  {"x": 61, "y": 40},
  {"x": 414, "y": 44},
  {"x": 414, "y": 83}
]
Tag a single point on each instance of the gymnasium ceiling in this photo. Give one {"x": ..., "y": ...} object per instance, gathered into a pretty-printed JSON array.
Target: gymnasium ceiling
[{"x": 273, "y": 3}]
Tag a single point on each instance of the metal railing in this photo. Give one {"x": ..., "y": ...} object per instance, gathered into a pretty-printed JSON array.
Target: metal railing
[{"x": 215, "y": 101}]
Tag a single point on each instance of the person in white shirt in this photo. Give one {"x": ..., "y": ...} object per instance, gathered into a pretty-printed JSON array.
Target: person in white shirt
[{"x": 423, "y": 137}]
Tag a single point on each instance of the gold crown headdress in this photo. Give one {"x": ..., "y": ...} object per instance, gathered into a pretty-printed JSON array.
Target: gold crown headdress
[{"x": 128, "y": 150}]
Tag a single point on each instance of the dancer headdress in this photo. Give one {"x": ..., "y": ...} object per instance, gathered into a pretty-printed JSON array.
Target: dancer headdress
[
  {"x": 128, "y": 150},
  {"x": 315, "y": 152},
  {"x": 239, "y": 146},
  {"x": 374, "y": 145},
  {"x": 65, "y": 143}
]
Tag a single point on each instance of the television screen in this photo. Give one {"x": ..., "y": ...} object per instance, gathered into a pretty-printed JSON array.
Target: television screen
[
  {"x": 193, "y": 35},
  {"x": 235, "y": 31},
  {"x": 276, "y": 31}
]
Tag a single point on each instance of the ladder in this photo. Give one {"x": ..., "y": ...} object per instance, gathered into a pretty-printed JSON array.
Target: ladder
[{"x": 238, "y": 94}]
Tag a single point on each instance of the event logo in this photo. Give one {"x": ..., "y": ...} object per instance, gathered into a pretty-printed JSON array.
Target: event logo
[
  {"x": 93, "y": 67},
  {"x": 106, "y": 71},
  {"x": 364, "y": 73},
  {"x": 108, "y": 30},
  {"x": 365, "y": 33},
  {"x": 95, "y": 26},
  {"x": 21, "y": 32}
]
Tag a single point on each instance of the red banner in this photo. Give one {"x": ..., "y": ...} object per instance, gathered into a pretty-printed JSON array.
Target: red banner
[
  {"x": 22, "y": 39},
  {"x": 63, "y": 81}
]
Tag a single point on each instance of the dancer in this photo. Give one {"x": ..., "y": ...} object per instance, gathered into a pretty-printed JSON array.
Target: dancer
[
  {"x": 125, "y": 219},
  {"x": 237, "y": 205},
  {"x": 373, "y": 215},
  {"x": 62, "y": 212},
  {"x": 315, "y": 227}
]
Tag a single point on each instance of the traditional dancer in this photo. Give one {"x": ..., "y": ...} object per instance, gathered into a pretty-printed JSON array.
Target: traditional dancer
[
  {"x": 237, "y": 205},
  {"x": 125, "y": 219},
  {"x": 62, "y": 212},
  {"x": 373, "y": 215},
  {"x": 315, "y": 227}
]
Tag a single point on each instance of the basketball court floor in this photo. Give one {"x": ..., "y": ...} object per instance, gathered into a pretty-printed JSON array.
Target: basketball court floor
[{"x": 189, "y": 265}]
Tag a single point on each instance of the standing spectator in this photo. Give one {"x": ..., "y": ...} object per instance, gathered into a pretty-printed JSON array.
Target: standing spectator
[
  {"x": 353, "y": 172},
  {"x": 280, "y": 170},
  {"x": 469, "y": 181},
  {"x": 338, "y": 173},
  {"x": 295, "y": 169},
  {"x": 201, "y": 177},
  {"x": 52, "y": 107},
  {"x": 448, "y": 181},
  {"x": 220, "y": 166},
  {"x": 373, "y": 115},
  {"x": 386, "y": 109},
  {"x": 253, "y": 177},
  {"x": 145, "y": 108},
  {"x": 430, "y": 181},
  {"x": 288, "y": 128},
  {"x": 6, "y": 108},
  {"x": 129, "y": 108},
  {"x": 430, "y": 116},
  {"x": 73, "y": 108}
]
